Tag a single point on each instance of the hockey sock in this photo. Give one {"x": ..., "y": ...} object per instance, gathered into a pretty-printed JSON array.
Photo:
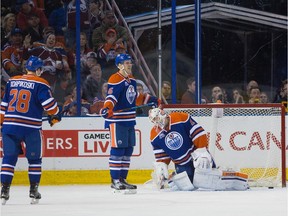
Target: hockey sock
[
  {"x": 35, "y": 170},
  {"x": 115, "y": 162},
  {"x": 126, "y": 162},
  {"x": 7, "y": 169}
]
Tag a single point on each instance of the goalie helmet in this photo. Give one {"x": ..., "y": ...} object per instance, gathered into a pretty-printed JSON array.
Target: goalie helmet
[{"x": 158, "y": 117}]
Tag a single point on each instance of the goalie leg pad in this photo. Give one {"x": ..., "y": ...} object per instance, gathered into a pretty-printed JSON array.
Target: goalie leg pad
[
  {"x": 183, "y": 182},
  {"x": 207, "y": 180},
  {"x": 234, "y": 180},
  {"x": 218, "y": 180},
  {"x": 172, "y": 185}
]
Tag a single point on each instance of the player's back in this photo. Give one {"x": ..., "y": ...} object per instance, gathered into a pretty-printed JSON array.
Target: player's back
[{"x": 24, "y": 101}]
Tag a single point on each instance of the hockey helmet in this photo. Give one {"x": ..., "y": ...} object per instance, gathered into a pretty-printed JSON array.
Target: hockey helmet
[
  {"x": 34, "y": 63},
  {"x": 120, "y": 58},
  {"x": 158, "y": 117}
]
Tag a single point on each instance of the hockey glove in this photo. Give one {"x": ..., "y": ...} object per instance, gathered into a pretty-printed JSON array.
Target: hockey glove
[
  {"x": 157, "y": 104},
  {"x": 106, "y": 113},
  {"x": 53, "y": 119},
  {"x": 156, "y": 101},
  {"x": 161, "y": 174},
  {"x": 202, "y": 159}
]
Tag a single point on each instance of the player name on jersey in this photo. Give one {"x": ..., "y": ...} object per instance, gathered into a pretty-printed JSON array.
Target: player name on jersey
[{"x": 23, "y": 84}]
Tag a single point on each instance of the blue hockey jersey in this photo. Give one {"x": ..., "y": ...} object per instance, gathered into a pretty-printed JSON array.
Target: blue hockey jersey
[
  {"x": 179, "y": 140},
  {"x": 121, "y": 94},
  {"x": 25, "y": 99}
]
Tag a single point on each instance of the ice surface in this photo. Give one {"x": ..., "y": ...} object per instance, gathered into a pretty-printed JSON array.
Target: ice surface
[{"x": 98, "y": 200}]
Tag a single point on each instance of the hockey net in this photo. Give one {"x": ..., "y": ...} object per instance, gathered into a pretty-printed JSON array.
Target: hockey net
[{"x": 249, "y": 138}]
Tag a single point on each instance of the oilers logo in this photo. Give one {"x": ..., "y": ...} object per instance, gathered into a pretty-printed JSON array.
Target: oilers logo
[
  {"x": 174, "y": 140},
  {"x": 130, "y": 94}
]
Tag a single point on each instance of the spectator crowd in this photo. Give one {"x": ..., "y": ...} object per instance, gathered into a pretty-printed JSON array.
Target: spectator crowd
[{"x": 46, "y": 29}]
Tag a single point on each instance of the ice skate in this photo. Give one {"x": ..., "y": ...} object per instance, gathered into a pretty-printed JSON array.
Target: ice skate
[
  {"x": 117, "y": 185},
  {"x": 127, "y": 185},
  {"x": 121, "y": 187},
  {"x": 34, "y": 194},
  {"x": 5, "y": 193},
  {"x": 130, "y": 188}
]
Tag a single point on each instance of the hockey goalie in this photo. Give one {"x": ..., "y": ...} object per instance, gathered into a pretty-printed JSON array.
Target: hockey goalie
[{"x": 177, "y": 137}]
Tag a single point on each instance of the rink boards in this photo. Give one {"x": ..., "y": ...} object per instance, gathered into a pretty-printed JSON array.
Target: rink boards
[{"x": 76, "y": 151}]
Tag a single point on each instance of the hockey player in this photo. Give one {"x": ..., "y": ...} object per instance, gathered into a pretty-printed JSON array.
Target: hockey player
[
  {"x": 25, "y": 99},
  {"x": 120, "y": 119},
  {"x": 179, "y": 138},
  {"x": 121, "y": 95}
]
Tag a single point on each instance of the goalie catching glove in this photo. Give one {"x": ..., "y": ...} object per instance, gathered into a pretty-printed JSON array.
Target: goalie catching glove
[{"x": 202, "y": 159}]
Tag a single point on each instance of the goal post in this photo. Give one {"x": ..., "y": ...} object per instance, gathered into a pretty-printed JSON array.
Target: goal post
[{"x": 246, "y": 137}]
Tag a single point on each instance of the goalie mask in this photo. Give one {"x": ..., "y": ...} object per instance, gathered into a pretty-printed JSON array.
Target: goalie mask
[{"x": 158, "y": 117}]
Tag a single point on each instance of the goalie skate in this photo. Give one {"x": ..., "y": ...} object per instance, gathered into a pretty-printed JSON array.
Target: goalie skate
[
  {"x": 5, "y": 194},
  {"x": 34, "y": 194}
]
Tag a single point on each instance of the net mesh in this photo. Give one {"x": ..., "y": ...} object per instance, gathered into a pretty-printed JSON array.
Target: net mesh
[{"x": 229, "y": 111}]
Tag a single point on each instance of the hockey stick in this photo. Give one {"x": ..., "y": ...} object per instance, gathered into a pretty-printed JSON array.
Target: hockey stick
[
  {"x": 121, "y": 110},
  {"x": 136, "y": 107},
  {"x": 132, "y": 108}
]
